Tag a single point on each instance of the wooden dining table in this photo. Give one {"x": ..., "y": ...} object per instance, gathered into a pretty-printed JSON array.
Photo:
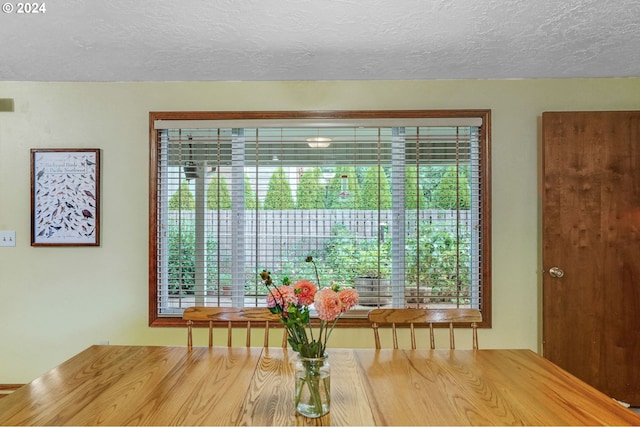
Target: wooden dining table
[{"x": 154, "y": 385}]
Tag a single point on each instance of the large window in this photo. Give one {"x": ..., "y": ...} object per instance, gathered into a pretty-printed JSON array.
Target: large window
[{"x": 393, "y": 203}]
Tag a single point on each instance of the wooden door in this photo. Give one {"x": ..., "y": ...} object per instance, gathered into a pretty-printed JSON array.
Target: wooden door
[{"x": 591, "y": 234}]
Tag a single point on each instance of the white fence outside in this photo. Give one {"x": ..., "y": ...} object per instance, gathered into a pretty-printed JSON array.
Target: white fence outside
[
  {"x": 304, "y": 231},
  {"x": 291, "y": 235}
]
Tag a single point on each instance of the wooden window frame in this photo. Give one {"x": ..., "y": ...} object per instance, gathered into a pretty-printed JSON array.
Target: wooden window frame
[{"x": 485, "y": 164}]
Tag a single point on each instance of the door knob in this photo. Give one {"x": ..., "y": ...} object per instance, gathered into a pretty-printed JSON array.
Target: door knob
[{"x": 556, "y": 272}]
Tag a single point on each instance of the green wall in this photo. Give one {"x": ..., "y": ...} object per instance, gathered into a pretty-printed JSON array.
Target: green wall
[{"x": 54, "y": 302}]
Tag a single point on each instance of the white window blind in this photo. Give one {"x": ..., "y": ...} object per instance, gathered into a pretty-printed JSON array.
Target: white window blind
[{"x": 395, "y": 211}]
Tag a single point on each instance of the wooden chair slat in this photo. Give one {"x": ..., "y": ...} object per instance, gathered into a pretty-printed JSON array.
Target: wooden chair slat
[
  {"x": 411, "y": 317},
  {"x": 233, "y": 316}
]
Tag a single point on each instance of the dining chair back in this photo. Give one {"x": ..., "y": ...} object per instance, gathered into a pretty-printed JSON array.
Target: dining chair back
[
  {"x": 230, "y": 317},
  {"x": 411, "y": 317}
]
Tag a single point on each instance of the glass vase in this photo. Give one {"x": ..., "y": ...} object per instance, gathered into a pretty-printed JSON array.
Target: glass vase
[{"x": 313, "y": 386}]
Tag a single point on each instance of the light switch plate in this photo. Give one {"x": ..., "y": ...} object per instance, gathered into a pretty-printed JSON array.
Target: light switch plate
[{"x": 7, "y": 238}]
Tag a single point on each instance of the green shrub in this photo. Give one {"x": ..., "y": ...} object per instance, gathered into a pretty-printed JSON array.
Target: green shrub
[
  {"x": 249, "y": 195},
  {"x": 443, "y": 262},
  {"x": 310, "y": 194},
  {"x": 279, "y": 192},
  {"x": 182, "y": 199},
  {"x": 218, "y": 194},
  {"x": 375, "y": 191},
  {"x": 413, "y": 197},
  {"x": 348, "y": 256},
  {"x": 453, "y": 191}
]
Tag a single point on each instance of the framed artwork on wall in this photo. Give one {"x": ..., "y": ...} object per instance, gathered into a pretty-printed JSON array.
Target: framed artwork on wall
[{"x": 65, "y": 197}]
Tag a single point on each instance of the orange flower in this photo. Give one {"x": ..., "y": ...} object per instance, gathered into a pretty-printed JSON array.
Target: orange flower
[
  {"x": 348, "y": 298},
  {"x": 281, "y": 296},
  {"x": 305, "y": 291},
  {"x": 327, "y": 304},
  {"x": 291, "y": 303}
]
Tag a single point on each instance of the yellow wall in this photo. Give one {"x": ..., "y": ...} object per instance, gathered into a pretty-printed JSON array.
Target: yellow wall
[{"x": 54, "y": 302}]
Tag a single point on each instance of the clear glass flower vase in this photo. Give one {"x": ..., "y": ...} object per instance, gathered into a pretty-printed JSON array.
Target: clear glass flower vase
[{"x": 313, "y": 386}]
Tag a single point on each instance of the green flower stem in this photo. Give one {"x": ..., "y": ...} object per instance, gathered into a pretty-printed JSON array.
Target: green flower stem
[
  {"x": 312, "y": 380},
  {"x": 328, "y": 331}
]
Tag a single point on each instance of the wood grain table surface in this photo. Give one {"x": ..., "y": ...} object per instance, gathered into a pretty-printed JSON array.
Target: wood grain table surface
[{"x": 146, "y": 385}]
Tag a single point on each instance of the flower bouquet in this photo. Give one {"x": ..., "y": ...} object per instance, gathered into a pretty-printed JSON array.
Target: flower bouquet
[{"x": 291, "y": 303}]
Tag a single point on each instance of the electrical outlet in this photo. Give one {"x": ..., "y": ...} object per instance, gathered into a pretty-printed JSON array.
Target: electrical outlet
[{"x": 7, "y": 238}]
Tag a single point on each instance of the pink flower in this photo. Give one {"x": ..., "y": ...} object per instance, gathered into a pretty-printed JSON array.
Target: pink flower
[
  {"x": 348, "y": 298},
  {"x": 327, "y": 304},
  {"x": 305, "y": 292},
  {"x": 281, "y": 296}
]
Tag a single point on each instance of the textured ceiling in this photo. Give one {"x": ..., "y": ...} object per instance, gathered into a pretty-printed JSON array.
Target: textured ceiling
[{"x": 221, "y": 40}]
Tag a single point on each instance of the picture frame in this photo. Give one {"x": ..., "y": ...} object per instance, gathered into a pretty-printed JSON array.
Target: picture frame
[{"x": 65, "y": 197}]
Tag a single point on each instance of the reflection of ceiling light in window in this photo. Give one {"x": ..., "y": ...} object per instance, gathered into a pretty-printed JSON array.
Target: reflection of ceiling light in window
[{"x": 318, "y": 142}]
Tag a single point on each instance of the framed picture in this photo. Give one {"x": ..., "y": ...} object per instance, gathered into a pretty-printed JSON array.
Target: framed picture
[{"x": 65, "y": 197}]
